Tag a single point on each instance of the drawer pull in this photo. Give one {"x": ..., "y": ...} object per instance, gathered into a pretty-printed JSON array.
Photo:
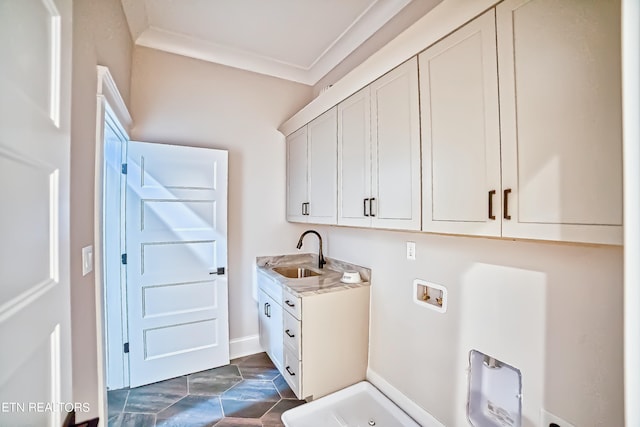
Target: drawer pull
[
  {"x": 289, "y": 303},
  {"x": 293, "y": 374},
  {"x": 288, "y": 333},
  {"x": 364, "y": 207}
]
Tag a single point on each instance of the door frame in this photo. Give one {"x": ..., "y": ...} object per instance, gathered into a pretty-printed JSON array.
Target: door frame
[
  {"x": 109, "y": 103},
  {"x": 112, "y": 220}
]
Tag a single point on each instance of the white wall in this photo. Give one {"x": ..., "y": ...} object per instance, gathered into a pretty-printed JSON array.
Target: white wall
[
  {"x": 100, "y": 37},
  {"x": 552, "y": 310},
  {"x": 178, "y": 100}
]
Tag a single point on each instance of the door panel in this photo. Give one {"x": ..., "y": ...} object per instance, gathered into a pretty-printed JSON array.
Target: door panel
[
  {"x": 176, "y": 239},
  {"x": 461, "y": 131},
  {"x": 275, "y": 331},
  {"x": 322, "y": 163},
  {"x": 297, "y": 184},
  {"x": 560, "y": 106},
  {"x": 354, "y": 159},
  {"x": 35, "y": 365},
  {"x": 395, "y": 130}
]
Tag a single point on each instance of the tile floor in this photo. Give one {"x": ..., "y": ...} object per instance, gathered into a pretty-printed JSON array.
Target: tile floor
[{"x": 248, "y": 392}]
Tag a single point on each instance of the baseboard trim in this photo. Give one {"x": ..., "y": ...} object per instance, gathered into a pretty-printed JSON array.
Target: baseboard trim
[
  {"x": 244, "y": 346},
  {"x": 409, "y": 406}
]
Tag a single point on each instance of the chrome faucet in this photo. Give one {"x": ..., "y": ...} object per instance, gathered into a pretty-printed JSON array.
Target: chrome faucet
[{"x": 321, "y": 260}]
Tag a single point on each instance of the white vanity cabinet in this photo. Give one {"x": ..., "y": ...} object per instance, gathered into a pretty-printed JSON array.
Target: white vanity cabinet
[
  {"x": 326, "y": 347},
  {"x": 323, "y": 339},
  {"x": 379, "y": 153},
  {"x": 312, "y": 171},
  {"x": 541, "y": 160}
]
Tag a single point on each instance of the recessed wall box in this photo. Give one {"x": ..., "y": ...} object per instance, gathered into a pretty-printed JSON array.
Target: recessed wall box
[
  {"x": 430, "y": 295},
  {"x": 495, "y": 392}
]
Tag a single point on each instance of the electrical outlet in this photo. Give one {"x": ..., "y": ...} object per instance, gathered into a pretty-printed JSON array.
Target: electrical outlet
[
  {"x": 411, "y": 250},
  {"x": 549, "y": 420}
]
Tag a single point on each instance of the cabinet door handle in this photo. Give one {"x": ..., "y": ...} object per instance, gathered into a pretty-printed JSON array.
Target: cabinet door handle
[
  {"x": 491, "y": 194},
  {"x": 288, "y": 333},
  {"x": 265, "y": 308},
  {"x": 302, "y": 208},
  {"x": 289, "y": 303},
  {"x": 371, "y": 206},
  {"x": 364, "y": 207},
  {"x": 306, "y": 210},
  {"x": 506, "y": 203},
  {"x": 293, "y": 374},
  {"x": 268, "y": 310}
]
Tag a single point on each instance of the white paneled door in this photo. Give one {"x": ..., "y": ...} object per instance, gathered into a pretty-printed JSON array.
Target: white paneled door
[
  {"x": 35, "y": 359},
  {"x": 176, "y": 232}
]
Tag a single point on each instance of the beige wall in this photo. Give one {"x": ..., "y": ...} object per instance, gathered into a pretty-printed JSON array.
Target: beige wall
[
  {"x": 178, "y": 100},
  {"x": 552, "y": 310},
  {"x": 100, "y": 37}
]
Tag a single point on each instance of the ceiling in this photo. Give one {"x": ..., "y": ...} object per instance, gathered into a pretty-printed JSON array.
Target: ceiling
[{"x": 298, "y": 40}]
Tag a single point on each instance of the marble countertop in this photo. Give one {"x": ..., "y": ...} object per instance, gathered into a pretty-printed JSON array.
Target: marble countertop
[{"x": 327, "y": 281}]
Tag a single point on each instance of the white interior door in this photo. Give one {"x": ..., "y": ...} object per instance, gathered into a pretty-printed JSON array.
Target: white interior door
[
  {"x": 176, "y": 239},
  {"x": 35, "y": 360}
]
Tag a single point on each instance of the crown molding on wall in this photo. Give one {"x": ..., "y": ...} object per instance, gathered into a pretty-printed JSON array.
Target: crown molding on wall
[
  {"x": 363, "y": 27},
  {"x": 440, "y": 21}
]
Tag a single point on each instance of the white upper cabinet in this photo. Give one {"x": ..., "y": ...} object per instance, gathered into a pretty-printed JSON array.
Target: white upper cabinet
[
  {"x": 379, "y": 153},
  {"x": 395, "y": 137},
  {"x": 311, "y": 171},
  {"x": 354, "y": 159},
  {"x": 297, "y": 181},
  {"x": 521, "y": 122},
  {"x": 322, "y": 165},
  {"x": 560, "y": 105},
  {"x": 461, "y": 132}
]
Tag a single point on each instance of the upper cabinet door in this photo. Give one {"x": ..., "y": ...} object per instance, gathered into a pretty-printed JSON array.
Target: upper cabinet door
[
  {"x": 354, "y": 159},
  {"x": 395, "y": 135},
  {"x": 560, "y": 104},
  {"x": 322, "y": 165},
  {"x": 297, "y": 175},
  {"x": 461, "y": 132}
]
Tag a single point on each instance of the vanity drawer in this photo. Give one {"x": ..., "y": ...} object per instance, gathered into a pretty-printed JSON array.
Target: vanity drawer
[
  {"x": 292, "y": 304},
  {"x": 292, "y": 372},
  {"x": 291, "y": 336}
]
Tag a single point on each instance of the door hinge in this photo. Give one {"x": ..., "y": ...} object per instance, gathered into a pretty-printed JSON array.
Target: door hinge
[
  {"x": 220, "y": 271},
  {"x": 124, "y": 168},
  {"x": 124, "y": 259},
  {"x": 126, "y": 347}
]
